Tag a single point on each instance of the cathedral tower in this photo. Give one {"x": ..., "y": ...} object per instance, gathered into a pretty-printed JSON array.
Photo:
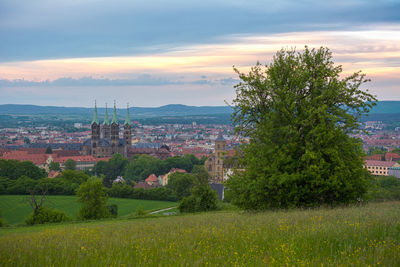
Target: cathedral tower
[
  {"x": 128, "y": 129},
  {"x": 95, "y": 132},
  {"x": 114, "y": 137},
  {"x": 105, "y": 129},
  {"x": 219, "y": 152}
]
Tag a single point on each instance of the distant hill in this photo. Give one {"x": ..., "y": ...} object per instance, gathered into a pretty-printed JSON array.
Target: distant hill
[
  {"x": 382, "y": 107},
  {"x": 168, "y": 110}
]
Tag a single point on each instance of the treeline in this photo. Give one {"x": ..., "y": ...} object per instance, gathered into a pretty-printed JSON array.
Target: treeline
[
  {"x": 140, "y": 167},
  {"x": 19, "y": 178}
]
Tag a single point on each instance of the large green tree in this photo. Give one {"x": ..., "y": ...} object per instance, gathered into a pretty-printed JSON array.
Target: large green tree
[{"x": 298, "y": 112}]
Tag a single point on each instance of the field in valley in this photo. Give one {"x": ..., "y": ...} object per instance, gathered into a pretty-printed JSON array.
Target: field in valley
[
  {"x": 354, "y": 236},
  {"x": 14, "y": 209}
]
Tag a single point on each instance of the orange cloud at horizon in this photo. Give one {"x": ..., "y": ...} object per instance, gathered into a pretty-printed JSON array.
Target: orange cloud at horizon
[{"x": 372, "y": 51}]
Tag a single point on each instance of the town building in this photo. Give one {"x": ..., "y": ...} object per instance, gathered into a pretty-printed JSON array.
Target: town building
[{"x": 380, "y": 168}]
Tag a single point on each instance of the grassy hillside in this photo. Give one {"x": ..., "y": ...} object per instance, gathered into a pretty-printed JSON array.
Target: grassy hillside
[
  {"x": 355, "y": 236},
  {"x": 15, "y": 209}
]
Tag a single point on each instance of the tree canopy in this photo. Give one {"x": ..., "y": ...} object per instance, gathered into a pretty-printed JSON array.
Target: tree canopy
[{"x": 298, "y": 112}]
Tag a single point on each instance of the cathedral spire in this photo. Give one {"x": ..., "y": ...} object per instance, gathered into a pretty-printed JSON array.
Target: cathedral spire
[
  {"x": 114, "y": 119},
  {"x": 127, "y": 119},
  {"x": 95, "y": 118},
  {"x": 106, "y": 121}
]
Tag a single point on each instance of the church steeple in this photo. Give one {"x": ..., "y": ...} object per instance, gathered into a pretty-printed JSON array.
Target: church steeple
[
  {"x": 106, "y": 121},
  {"x": 114, "y": 119},
  {"x": 127, "y": 119},
  {"x": 95, "y": 118}
]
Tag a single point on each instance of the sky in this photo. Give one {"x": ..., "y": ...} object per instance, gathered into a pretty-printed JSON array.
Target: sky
[{"x": 153, "y": 53}]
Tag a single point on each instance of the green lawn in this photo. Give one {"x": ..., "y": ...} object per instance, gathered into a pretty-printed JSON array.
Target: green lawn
[
  {"x": 355, "y": 236},
  {"x": 14, "y": 209}
]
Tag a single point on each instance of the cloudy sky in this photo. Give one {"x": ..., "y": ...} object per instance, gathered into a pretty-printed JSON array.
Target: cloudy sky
[{"x": 69, "y": 53}]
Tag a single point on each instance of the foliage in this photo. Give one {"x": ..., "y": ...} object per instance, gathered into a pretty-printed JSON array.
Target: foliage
[
  {"x": 54, "y": 166},
  {"x": 93, "y": 199},
  {"x": 144, "y": 165},
  {"x": 384, "y": 188},
  {"x": 113, "y": 210},
  {"x": 140, "y": 211},
  {"x": 14, "y": 169},
  {"x": 46, "y": 215},
  {"x": 203, "y": 198},
  {"x": 298, "y": 113},
  {"x": 201, "y": 174},
  {"x": 141, "y": 167},
  {"x": 115, "y": 167},
  {"x": 2, "y": 221},
  {"x": 181, "y": 184},
  {"x": 120, "y": 190},
  {"x": 70, "y": 164},
  {"x": 22, "y": 186}
]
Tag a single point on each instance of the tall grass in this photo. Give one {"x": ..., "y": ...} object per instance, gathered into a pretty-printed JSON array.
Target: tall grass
[{"x": 354, "y": 236}]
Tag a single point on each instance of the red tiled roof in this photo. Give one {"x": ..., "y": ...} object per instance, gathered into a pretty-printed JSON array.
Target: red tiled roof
[
  {"x": 177, "y": 170},
  {"x": 37, "y": 159},
  {"x": 389, "y": 156},
  {"x": 375, "y": 157},
  {"x": 379, "y": 163},
  {"x": 152, "y": 178}
]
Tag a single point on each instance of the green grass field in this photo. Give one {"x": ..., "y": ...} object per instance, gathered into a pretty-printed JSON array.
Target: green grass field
[
  {"x": 14, "y": 209},
  {"x": 354, "y": 236}
]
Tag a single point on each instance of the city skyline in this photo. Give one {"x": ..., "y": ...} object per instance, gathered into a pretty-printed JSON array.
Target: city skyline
[{"x": 68, "y": 54}]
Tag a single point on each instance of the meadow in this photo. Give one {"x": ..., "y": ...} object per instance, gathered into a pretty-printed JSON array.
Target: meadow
[
  {"x": 14, "y": 209},
  {"x": 366, "y": 235}
]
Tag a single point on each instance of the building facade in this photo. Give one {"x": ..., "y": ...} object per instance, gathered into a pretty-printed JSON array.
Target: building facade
[{"x": 105, "y": 141}]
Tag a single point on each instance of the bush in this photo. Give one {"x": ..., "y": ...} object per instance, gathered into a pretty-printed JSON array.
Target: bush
[
  {"x": 140, "y": 211},
  {"x": 203, "y": 198},
  {"x": 384, "y": 188},
  {"x": 46, "y": 215},
  {"x": 2, "y": 222},
  {"x": 113, "y": 210}
]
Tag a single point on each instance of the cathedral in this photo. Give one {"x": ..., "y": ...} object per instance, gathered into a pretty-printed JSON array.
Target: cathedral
[{"x": 105, "y": 141}]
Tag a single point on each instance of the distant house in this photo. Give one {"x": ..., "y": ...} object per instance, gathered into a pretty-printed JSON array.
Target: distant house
[
  {"x": 164, "y": 178},
  {"x": 119, "y": 179},
  {"x": 377, "y": 167},
  {"x": 152, "y": 180}
]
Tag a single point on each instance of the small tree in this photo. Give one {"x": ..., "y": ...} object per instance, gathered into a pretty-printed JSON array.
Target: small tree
[
  {"x": 93, "y": 199},
  {"x": 70, "y": 164},
  {"x": 49, "y": 150},
  {"x": 54, "y": 166},
  {"x": 41, "y": 214},
  {"x": 203, "y": 198}
]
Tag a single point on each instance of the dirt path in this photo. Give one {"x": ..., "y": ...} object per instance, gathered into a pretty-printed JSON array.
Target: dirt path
[{"x": 157, "y": 211}]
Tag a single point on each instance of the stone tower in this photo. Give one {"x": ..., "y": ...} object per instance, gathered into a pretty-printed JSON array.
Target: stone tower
[
  {"x": 105, "y": 129},
  {"x": 215, "y": 163},
  {"x": 219, "y": 152},
  {"x": 128, "y": 130},
  {"x": 114, "y": 137},
  {"x": 95, "y": 131}
]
